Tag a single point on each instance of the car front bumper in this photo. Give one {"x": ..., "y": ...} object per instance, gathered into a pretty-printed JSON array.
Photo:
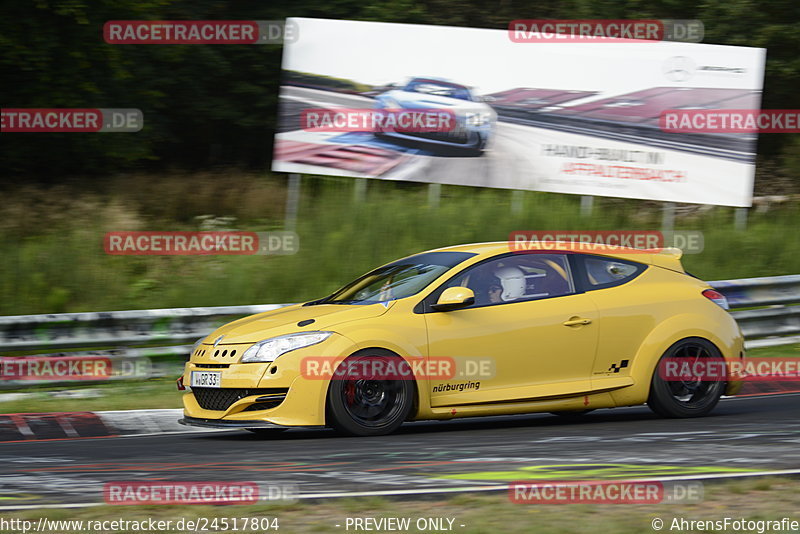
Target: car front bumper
[
  {"x": 222, "y": 423},
  {"x": 249, "y": 384}
]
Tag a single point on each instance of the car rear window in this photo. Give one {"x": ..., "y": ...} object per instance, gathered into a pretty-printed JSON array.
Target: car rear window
[{"x": 604, "y": 272}]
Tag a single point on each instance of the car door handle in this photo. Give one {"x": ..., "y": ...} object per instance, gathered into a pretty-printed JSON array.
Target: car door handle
[{"x": 577, "y": 321}]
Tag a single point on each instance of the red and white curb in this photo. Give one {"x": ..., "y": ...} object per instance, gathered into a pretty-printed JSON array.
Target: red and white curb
[{"x": 75, "y": 425}]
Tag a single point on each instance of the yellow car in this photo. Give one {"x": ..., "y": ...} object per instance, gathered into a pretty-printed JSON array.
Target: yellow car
[{"x": 471, "y": 330}]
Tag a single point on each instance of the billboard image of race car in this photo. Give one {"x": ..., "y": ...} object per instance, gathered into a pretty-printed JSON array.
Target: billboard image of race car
[{"x": 475, "y": 120}]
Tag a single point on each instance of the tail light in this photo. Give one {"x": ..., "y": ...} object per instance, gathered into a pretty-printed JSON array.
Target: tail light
[
  {"x": 179, "y": 383},
  {"x": 718, "y": 298}
]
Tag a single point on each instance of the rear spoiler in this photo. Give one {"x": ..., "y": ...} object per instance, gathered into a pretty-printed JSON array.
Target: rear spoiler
[{"x": 668, "y": 258}]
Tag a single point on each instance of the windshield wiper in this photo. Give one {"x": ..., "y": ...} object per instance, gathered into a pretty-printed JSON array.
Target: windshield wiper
[{"x": 318, "y": 301}]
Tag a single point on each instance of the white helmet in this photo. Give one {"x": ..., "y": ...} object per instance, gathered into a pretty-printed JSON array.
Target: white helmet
[{"x": 513, "y": 281}]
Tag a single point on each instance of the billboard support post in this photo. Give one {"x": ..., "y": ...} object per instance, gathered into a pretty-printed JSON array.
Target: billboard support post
[
  {"x": 517, "y": 201},
  {"x": 360, "y": 190},
  {"x": 740, "y": 219},
  {"x": 292, "y": 199},
  {"x": 434, "y": 194},
  {"x": 668, "y": 217},
  {"x": 587, "y": 202}
]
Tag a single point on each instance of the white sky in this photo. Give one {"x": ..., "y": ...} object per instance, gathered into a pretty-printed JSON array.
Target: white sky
[{"x": 376, "y": 53}]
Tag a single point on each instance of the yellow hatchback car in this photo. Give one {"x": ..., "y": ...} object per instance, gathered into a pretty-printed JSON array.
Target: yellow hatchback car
[{"x": 471, "y": 330}]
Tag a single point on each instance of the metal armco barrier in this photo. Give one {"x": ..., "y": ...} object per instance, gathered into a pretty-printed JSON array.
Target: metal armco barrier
[
  {"x": 776, "y": 324},
  {"x": 167, "y": 334},
  {"x": 117, "y": 328},
  {"x": 141, "y": 344}
]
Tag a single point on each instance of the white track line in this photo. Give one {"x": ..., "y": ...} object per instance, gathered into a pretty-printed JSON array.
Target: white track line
[
  {"x": 426, "y": 491},
  {"x": 762, "y": 396}
]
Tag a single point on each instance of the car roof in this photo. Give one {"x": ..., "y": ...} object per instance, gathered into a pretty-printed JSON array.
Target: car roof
[
  {"x": 668, "y": 258},
  {"x": 436, "y": 79}
]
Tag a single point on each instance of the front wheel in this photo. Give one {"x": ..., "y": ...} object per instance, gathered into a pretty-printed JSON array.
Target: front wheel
[
  {"x": 691, "y": 396},
  {"x": 362, "y": 405}
]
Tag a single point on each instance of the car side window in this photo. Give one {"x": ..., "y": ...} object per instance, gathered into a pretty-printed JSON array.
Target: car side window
[
  {"x": 517, "y": 277},
  {"x": 608, "y": 272}
]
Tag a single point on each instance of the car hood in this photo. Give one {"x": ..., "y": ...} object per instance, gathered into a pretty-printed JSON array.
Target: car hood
[
  {"x": 284, "y": 321},
  {"x": 419, "y": 100}
]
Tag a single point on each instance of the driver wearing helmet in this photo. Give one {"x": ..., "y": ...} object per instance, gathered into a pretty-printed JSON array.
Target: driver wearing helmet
[{"x": 512, "y": 284}]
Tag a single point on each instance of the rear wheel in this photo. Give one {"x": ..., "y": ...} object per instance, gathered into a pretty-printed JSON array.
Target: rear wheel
[
  {"x": 369, "y": 405},
  {"x": 692, "y": 396}
]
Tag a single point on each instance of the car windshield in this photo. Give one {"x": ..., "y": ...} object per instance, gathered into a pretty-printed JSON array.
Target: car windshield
[
  {"x": 431, "y": 87},
  {"x": 397, "y": 280}
]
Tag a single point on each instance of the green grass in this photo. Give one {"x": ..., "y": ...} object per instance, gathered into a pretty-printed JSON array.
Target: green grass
[
  {"x": 781, "y": 351},
  {"x": 155, "y": 394},
  {"x": 55, "y": 260},
  {"x": 752, "y": 499}
]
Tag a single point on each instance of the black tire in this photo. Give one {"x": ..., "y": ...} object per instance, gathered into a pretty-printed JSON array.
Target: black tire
[
  {"x": 360, "y": 407},
  {"x": 687, "y": 398}
]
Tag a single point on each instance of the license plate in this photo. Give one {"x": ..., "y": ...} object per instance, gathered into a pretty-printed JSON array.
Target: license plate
[{"x": 206, "y": 379}]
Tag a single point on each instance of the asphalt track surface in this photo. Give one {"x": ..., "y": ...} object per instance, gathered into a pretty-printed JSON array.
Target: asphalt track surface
[{"x": 743, "y": 435}]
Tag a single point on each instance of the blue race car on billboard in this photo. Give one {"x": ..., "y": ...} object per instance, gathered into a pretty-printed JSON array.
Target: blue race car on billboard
[{"x": 475, "y": 120}]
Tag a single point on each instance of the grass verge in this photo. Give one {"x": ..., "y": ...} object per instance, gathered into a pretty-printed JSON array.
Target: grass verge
[
  {"x": 56, "y": 263},
  {"x": 155, "y": 394},
  {"x": 762, "y": 499}
]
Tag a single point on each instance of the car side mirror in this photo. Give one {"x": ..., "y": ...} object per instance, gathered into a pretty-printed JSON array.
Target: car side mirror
[{"x": 454, "y": 298}]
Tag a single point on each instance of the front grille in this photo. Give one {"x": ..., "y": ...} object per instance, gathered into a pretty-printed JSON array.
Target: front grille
[
  {"x": 458, "y": 135},
  {"x": 220, "y": 399},
  {"x": 212, "y": 365},
  {"x": 265, "y": 405}
]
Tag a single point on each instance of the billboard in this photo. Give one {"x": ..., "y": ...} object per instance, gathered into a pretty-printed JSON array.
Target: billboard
[{"x": 473, "y": 107}]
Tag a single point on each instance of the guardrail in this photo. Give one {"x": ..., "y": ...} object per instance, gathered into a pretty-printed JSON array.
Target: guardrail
[
  {"x": 777, "y": 319},
  {"x": 139, "y": 343},
  {"x": 117, "y": 328},
  {"x": 163, "y": 337}
]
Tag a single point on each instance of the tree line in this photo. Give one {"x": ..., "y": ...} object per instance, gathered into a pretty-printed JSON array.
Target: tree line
[{"x": 215, "y": 105}]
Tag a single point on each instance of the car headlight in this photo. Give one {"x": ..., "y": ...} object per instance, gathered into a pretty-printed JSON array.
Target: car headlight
[
  {"x": 478, "y": 119},
  {"x": 390, "y": 103},
  {"x": 269, "y": 349}
]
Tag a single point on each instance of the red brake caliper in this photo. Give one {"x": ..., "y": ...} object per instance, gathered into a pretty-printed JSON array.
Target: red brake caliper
[{"x": 350, "y": 392}]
